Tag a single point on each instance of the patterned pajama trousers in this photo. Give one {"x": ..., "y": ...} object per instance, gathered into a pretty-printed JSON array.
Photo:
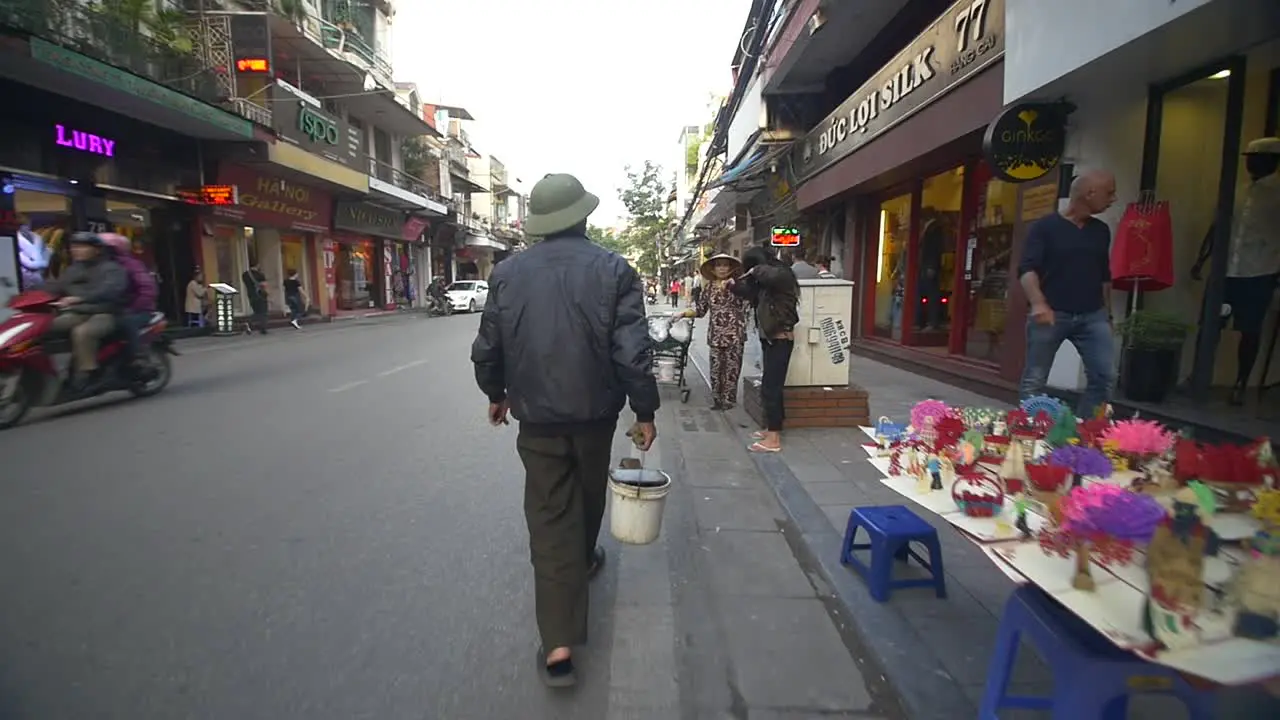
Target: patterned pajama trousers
[{"x": 726, "y": 366}]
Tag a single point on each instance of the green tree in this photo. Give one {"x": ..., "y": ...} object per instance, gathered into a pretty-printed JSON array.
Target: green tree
[
  {"x": 413, "y": 154},
  {"x": 650, "y": 222},
  {"x": 608, "y": 239}
]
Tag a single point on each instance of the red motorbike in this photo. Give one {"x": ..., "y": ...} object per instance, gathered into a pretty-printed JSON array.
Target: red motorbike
[{"x": 29, "y": 377}]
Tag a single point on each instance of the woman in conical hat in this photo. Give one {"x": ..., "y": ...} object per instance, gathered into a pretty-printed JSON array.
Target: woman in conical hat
[{"x": 727, "y": 328}]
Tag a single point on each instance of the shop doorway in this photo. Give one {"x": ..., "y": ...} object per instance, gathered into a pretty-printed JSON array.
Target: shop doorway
[
  {"x": 893, "y": 238},
  {"x": 1190, "y": 160}
]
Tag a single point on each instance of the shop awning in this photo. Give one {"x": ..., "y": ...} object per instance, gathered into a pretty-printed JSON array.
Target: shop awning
[{"x": 483, "y": 241}]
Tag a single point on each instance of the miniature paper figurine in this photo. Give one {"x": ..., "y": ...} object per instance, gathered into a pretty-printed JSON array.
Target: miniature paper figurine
[
  {"x": 999, "y": 428},
  {"x": 1175, "y": 566},
  {"x": 1064, "y": 429},
  {"x": 1257, "y": 587},
  {"x": 1100, "y": 523},
  {"x": 1020, "y": 507},
  {"x": 935, "y": 472}
]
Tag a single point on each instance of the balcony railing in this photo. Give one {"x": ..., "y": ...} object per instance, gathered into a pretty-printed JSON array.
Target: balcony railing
[
  {"x": 347, "y": 42},
  {"x": 457, "y": 157},
  {"x": 162, "y": 53},
  {"x": 386, "y": 173}
]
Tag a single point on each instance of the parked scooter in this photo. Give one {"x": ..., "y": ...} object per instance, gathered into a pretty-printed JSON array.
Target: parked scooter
[{"x": 30, "y": 378}]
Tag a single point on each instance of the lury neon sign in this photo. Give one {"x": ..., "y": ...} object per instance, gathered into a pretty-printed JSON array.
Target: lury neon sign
[{"x": 84, "y": 141}]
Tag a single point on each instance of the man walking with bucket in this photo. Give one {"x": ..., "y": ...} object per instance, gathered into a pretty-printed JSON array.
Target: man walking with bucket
[{"x": 563, "y": 344}]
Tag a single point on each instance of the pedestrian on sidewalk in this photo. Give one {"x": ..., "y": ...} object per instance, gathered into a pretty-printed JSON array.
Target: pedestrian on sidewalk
[
  {"x": 1065, "y": 271},
  {"x": 771, "y": 287},
  {"x": 824, "y": 268},
  {"x": 197, "y": 301},
  {"x": 295, "y": 299},
  {"x": 255, "y": 289},
  {"x": 726, "y": 330},
  {"x": 565, "y": 375},
  {"x": 674, "y": 292}
]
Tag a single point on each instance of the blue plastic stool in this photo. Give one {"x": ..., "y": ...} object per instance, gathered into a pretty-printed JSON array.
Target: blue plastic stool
[
  {"x": 1092, "y": 678},
  {"x": 892, "y": 529}
]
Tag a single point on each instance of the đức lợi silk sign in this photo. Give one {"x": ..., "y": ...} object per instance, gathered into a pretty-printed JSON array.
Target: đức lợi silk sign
[
  {"x": 957, "y": 46},
  {"x": 270, "y": 201}
]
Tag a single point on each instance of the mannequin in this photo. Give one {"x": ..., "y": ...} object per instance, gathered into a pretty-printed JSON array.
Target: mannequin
[
  {"x": 1254, "y": 262},
  {"x": 34, "y": 256}
]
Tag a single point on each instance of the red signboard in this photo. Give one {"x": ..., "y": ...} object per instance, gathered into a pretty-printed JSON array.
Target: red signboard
[
  {"x": 413, "y": 228},
  {"x": 272, "y": 201},
  {"x": 785, "y": 237},
  {"x": 253, "y": 65},
  {"x": 210, "y": 195}
]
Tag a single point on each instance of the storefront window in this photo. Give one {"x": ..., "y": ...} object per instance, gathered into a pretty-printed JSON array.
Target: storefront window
[
  {"x": 891, "y": 265},
  {"x": 48, "y": 217},
  {"x": 940, "y": 206},
  {"x": 293, "y": 250},
  {"x": 356, "y": 276},
  {"x": 986, "y": 262}
]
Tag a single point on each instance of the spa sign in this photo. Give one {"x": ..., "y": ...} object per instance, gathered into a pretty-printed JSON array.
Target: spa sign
[
  {"x": 1026, "y": 141},
  {"x": 274, "y": 202},
  {"x": 965, "y": 40}
]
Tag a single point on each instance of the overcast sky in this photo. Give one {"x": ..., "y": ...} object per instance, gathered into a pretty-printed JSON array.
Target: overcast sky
[{"x": 579, "y": 86}]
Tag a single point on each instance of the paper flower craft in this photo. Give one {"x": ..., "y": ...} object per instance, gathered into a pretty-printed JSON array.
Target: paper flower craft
[
  {"x": 1111, "y": 511},
  {"x": 1081, "y": 461},
  {"x": 935, "y": 409},
  {"x": 1102, "y": 523},
  {"x": 1140, "y": 437}
]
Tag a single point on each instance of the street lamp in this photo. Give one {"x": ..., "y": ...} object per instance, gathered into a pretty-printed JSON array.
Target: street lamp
[{"x": 224, "y": 311}]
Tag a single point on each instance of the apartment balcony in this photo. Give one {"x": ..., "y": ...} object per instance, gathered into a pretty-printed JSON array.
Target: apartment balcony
[
  {"x": 163, "y": 55},
  {"x": 403, "y": 191}
]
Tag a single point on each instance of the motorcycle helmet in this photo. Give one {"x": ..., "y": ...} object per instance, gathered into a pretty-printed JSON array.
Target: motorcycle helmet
[{"x": 86, "y": 238}]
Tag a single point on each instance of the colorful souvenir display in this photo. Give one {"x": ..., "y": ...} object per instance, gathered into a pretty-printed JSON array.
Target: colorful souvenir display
[
  {"x": 1140, "y": 438},
  {"x": 1051, "y": 407},
  {"x": 921, "y": 411}
]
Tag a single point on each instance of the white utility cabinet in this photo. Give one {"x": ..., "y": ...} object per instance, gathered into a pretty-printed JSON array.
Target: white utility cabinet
[{"x": 821, "y": 355}]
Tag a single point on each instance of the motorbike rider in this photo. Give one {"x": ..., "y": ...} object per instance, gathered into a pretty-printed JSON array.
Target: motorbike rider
[
  {"x": 91, "y": 292},
  {"x": 140, "y": 300},
  {"x": 438, "y": 294}
]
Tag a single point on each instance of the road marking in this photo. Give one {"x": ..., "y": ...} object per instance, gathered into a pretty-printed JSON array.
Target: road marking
[
  {"x": 348, "y": 386},
  {"x": 401, "y": 368}
]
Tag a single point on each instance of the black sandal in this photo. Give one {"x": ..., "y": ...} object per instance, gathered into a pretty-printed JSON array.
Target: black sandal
[
  {"x": 595, "y": 563},
  {"x": 559, "y": 674}
]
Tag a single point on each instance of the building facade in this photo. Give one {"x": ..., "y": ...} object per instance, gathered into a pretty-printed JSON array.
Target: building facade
[{"x": 884, "y": 153}]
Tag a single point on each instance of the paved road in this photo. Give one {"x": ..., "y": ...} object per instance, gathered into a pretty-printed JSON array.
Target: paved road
[{"x": 315, "y": 524}]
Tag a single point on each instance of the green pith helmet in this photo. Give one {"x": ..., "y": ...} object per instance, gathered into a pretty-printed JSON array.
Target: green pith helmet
[{"x": 557, "y": 203}]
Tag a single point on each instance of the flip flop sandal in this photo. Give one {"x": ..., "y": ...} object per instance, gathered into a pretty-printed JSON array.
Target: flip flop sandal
[
  {"x": 758, "y": 448},
  {"x": 596, "y": 562},
  {"x": 757, "y": 435},
  {"x": 558, "y": 674}
]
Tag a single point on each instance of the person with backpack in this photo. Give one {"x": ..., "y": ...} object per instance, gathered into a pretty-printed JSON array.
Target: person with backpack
[{"x": 140, "y": 300}]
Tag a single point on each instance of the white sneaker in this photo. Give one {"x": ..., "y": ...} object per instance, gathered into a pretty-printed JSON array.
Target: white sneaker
[{"x": 295, "y": 324}]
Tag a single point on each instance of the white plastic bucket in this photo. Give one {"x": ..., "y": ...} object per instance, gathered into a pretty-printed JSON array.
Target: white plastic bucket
[
  {"x": 638, "y": 499},
  {"x": 666, "y": 370}
]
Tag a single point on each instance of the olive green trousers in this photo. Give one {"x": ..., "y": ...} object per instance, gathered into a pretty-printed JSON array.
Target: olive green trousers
[{"x": 566, "y": 482}]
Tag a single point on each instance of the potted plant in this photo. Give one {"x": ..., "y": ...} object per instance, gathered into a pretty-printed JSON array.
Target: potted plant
[{"x": 1153, "y": 346}]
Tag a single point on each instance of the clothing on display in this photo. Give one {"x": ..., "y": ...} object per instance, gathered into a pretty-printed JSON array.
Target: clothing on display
[{"x": 35, "y": 257}]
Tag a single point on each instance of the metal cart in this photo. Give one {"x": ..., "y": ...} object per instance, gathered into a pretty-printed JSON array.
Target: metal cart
[{"x": 676, "y": 351}]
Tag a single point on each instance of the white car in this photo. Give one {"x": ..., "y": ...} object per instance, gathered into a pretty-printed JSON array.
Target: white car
[{"x": 468, "y": 295}]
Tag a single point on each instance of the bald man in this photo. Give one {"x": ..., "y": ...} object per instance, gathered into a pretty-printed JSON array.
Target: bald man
[{"x": 1065, "y": 271}]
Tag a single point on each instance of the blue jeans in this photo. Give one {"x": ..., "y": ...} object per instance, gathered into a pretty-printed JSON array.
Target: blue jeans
[{"x": 1090, "y": 333}]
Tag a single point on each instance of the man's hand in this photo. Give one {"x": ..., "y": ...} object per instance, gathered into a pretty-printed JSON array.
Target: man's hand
[
  {"x": 1042, "y": 314},
  {"x": 67, "y": 301},
  {"x": 498, "y": 414},
  {"x": 643, "y": 435}
]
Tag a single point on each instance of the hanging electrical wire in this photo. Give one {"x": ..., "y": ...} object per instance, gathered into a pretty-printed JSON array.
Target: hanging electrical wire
[{"x": 759, "y": 20}]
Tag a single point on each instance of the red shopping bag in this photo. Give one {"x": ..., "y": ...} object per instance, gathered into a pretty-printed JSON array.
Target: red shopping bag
[{"x": 1142, "y": 252}]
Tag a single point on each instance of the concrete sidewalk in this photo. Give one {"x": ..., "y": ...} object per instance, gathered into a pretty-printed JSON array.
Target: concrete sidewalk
[
  {"x": 934, "y": 652},
  {"x": 772, "y": 644}
]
